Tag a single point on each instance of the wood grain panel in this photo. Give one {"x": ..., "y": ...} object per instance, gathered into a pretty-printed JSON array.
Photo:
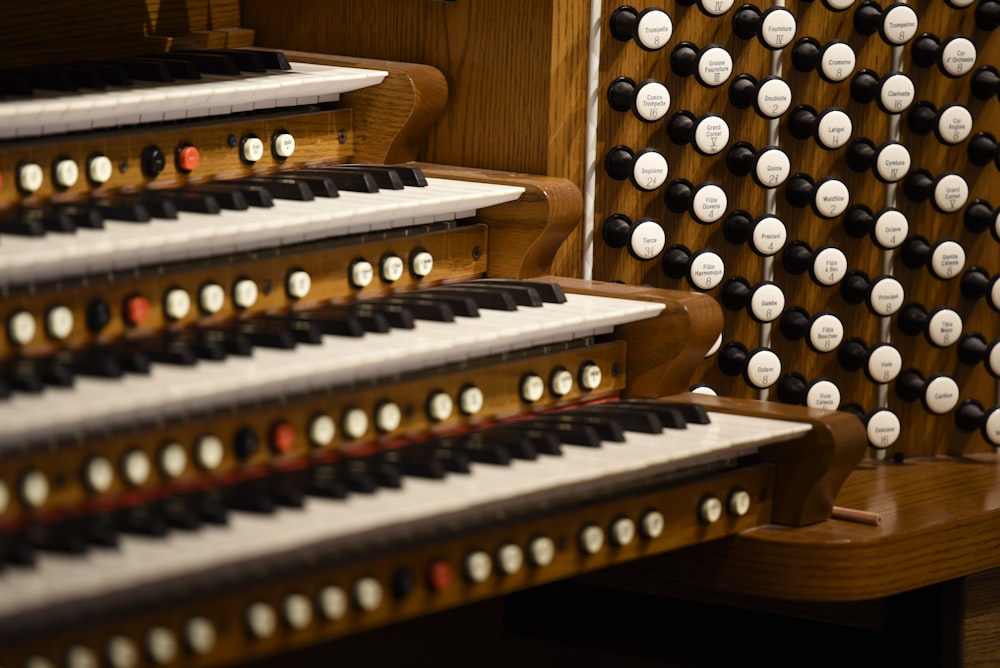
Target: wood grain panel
[
  {"x": 119, "y": 28},
  {"x": 927, "y": 433},
  {"x": 516, "y": 74},
  {"x": 615, "y": 128}
]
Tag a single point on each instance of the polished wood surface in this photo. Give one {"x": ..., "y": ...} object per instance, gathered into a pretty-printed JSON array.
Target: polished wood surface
[
  {"x": 940, "y": 521},
  {"x": 516, "y": 74},
  {"x": 62, "y": 30}
]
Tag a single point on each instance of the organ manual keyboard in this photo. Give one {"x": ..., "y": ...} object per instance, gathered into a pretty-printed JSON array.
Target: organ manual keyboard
[{"x": 267, "y": 382}]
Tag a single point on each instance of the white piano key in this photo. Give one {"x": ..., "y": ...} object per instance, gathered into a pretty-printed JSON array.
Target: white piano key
[
  {"x": 170, "y": 390},
  {"x": 123, "y": 245},
  {"x": 59, "y": 580},
  {"x": 49, "y": 112}
]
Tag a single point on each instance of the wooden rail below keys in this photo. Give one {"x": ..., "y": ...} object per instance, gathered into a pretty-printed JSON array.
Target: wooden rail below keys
[{"x": 940, "y": 521}]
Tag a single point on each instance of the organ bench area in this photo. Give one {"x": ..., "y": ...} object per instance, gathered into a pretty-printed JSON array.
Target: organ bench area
[{"x": 268, "y": 382}]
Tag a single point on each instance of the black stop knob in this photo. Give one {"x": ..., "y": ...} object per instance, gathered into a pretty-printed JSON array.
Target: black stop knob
[
  {"x": 676, "y": 261},
  {"x": 795, "y": 323},
  {"x": 797, "y": 257},
  {"x": 733, "y": 359},
  {"x": 858, "y": 221},
  {"x": 802, "y": 122},
  {"x": 969, "y": 415},
  {"x": 621, "y": 93},
  {"x": 988, "y": 15},
  {"x": 985, "y": 82},
  {"x": 978, "y": 216},
  {"x": 246, "y": 443},
  {"x": 740, "y": 159},
  {"x": 153, "y": 161},
  {"x": 918, "y": 185},
  {"x": 743, "y": 91},
  {"x": 861, "y": 154},
  {"x": 792, "y": 389},
  {"x": 865, "y": 86},
  {"x": 868, "y": 18},
  {"x": 925, "y": 50},
  {"x": 678, "y": 195},
  {"x": 982, "y": 149},
  {"x": 805, "y": 54},
  {"x": 735, "y": 294},
  {"x": 737, "y": 227},
  {"x": 684, "y": 59},
  {"x": 617, "y": 230},
  {"x": 680, "y": 127},
  {"x": 915, "y": 251},
  {"x": 972, "y": 348},
  {"x": 922, "y": 118},
  {"x": 853, "y": 354},
  {"x": 910, "y": 385}
]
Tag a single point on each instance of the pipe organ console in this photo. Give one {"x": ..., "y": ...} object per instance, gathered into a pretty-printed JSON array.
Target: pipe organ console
[
  {"x": 266, "y": 381},
  {"x": 823, "y": 169},
  {"x": 841, "y": 152}
]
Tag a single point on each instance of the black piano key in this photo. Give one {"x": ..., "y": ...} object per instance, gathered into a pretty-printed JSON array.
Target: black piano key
[
  {"x": 639, "y": 420},
  {"x": 517, "y": 445},
  {"x": 130, "y": 210},
  {"x": 231, "y": 338},
  {"x": 5, "y": 389},
  {"x": 247, "y": 60},
  {"x": 568, "y": 433},
  {"x": 171, "y": 349},
  {"x": 181, "y": 512},
  {"x": 211, "y": 505},
  {"x": 251, "y": 496},
  {"x": 544, "y": 442},
  {"x": 108, "y": 73},
  {"x": 207, "y": 62},
  {"x": 82, "y": 216},
  {"x": 384, "y": 177},
  {"x": 54, "y": 219},
  {"x": 396, "y": 316},
  {"x": 669, "y": 415},
  {"x": 356, "y": 473},
  {"x": 268, "y": 334},
  {"x": 58, "y": 370},
  {"x": 25, "y": 222},
  {"x": 608, "y": 428},
  {"x": 410, "y": 176},
  {"x": 418, "y": 461},
  {"x": 146, "y": 69},
  {"x": 463, "y": 305},
  {"x": 66, "y": 537},
  {"x": 144, "y": 520},
  {"x": 693, "y": 413},
  {"x": 101, "y": 361},
  {"x": 374, "y": 319},
  {"x": 280, "y": 187},
  {"x": 85, "y": 76},
  {"x": 302, "y": 329},
  {"x": 346, "y": 179},
  {"x": 386, "y": 473},
  {"x": 497, "y": 300},
  {"x": 332, "y": 320},
  {"x": 231, "y": 197},
  {"x": 15, "y": 83},
  {"x": 51, "y": 78},
  {"x": 551, "y": 293},
  {"x": 321, "y": 185},
  {"x": 477, "y": 450},
  {"x": 288, "y": 489},
  {"x": 181, "y": 200},
  {"x": 133, "y": 359},
  {"x": 524, "y": 295},
  {"x": 18, "y": 550},
  {"x": 271, "y": 60},
  {"x": 99, "y": 530},
  {"x": 325, "y": 480},
  {"x": 422, "y": 308},
  {"x": 24, "y": 375}
]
